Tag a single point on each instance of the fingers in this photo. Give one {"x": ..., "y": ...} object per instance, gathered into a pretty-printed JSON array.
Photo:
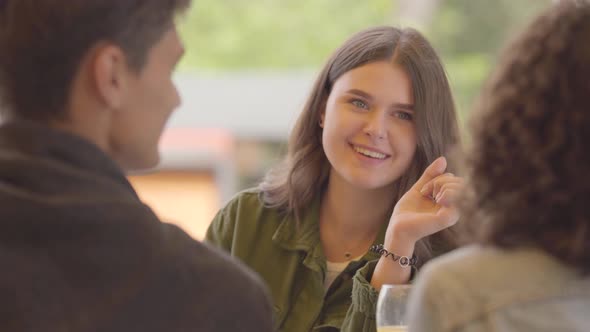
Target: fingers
[
  {"x": 429, "y": 223},
  {"x": 447, "y": 217},
  {"x": 434, "y": 187},
  {"x": 433, "y": 170},
  {"x": 449, "y": 193}
]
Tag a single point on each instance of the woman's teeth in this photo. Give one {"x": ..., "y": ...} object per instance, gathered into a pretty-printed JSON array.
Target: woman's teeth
[{"x": 368, "y": 153}]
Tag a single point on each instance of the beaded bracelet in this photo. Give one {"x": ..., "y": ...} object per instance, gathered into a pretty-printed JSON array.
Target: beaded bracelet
[{"x": 403, "y": 261}]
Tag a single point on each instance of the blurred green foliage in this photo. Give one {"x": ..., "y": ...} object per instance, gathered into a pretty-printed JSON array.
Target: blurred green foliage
[
  {"x": 469, "y": 34},
  {"x": 273, "y": 34},
  {"x": 295, "y": 34}
]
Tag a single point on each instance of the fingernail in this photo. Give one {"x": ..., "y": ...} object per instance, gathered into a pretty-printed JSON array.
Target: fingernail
[{"x": 441, "y": 163}]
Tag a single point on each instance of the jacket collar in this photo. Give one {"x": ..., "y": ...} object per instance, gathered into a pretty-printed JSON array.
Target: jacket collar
[
  {"x": 50, "y": 154},
  {"x": 305, "y": 237}
]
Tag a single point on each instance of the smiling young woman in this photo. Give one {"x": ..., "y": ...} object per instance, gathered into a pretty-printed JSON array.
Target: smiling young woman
[{"x": 364, "y": 167}]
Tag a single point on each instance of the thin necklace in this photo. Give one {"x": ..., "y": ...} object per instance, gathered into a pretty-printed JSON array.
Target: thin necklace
[{"x": 348, "y": 253}]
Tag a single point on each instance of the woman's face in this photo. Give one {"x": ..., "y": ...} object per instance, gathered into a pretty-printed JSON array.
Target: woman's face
[{"x": 369, "y": 134}]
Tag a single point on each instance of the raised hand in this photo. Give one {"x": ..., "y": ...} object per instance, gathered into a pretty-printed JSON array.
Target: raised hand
[{"x": 428, "y": 206}]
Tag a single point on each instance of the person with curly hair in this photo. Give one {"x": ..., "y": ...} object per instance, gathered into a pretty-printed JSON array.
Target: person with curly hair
[{"x": 529, "y": 190}]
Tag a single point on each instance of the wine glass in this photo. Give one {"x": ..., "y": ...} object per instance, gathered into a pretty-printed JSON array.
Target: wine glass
[{"x": 391, "y": 308}]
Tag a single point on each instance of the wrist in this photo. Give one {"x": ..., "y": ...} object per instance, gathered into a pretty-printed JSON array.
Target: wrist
[
  {"x": 389, "y": 270},
  {"x": 402, "y": 260},
  {"x": 400, "y": 244}
]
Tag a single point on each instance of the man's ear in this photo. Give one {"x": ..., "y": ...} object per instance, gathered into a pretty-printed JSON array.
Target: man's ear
[{"x": 111, "y": 75}]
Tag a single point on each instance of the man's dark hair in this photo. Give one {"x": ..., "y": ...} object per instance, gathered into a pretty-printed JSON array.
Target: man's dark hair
[{"x": 43, "y": 42}]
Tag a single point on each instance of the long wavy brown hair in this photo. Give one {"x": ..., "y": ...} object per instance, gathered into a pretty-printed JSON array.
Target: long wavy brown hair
[
  {"x": 529, "y": 161},
  {"x": 303, "y": 175}
]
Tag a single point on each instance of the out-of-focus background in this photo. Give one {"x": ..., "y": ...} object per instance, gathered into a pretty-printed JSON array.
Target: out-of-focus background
[{"x": 250, "y": 64}]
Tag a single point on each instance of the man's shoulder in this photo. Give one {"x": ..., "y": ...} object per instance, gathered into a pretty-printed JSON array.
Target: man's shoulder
[
  {"x": 203, "y": 258},
  {"x": 211, "y": 284}
]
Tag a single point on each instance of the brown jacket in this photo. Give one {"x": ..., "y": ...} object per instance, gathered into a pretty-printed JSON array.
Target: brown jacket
[{"x": 80, "y": 252}]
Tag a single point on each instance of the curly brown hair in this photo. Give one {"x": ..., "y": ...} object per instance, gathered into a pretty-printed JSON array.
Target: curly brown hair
[
  {"x": 44, "y": 41},
  {"x": 528, "y": 164}
]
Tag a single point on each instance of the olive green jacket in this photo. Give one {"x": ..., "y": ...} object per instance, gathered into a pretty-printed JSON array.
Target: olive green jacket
[
  {"x": 289, "y": 257},
  {"x": 291, "y": 261}
]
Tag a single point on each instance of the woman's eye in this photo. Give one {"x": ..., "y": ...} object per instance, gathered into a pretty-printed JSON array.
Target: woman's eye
[
  {"x": 359, "y": 103},
  {"x": 404, "y": 115}
]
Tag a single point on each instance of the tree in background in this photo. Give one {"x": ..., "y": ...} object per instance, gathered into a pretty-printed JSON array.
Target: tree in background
[
  {"x": 274, "y": 34},
  {"x": 300, "y": 34},
  {"x": 469, "y": 35}
]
